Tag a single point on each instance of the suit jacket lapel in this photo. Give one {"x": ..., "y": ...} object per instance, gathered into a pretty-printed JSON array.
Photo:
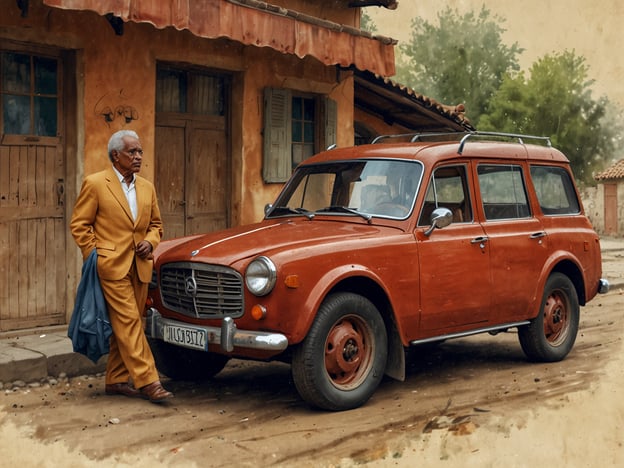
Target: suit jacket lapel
[{"x": 115, "y": 188}]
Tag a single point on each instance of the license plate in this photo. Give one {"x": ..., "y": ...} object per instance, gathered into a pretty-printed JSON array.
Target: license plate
[{"x": 189, "y": 337}]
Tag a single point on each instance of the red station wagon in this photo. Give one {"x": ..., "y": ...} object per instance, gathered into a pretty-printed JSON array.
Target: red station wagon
[{"x": 372, "y": 249}]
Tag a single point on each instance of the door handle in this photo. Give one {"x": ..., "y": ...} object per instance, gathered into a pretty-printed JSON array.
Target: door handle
[
  {"x": 537, "y": 235},
  {"x": 481, "y": 240}
]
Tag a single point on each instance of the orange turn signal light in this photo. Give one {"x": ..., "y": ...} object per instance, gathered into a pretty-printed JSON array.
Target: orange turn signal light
[
  {"x": 292, "y": 281},
  {"x": 258, "y": 312}
]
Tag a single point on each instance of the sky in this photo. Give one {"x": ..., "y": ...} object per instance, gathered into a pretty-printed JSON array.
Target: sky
[{"x": 591, "y": 28}]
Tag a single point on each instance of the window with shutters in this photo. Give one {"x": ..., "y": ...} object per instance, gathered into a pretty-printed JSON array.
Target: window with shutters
[{"x": 296, "y": 126}]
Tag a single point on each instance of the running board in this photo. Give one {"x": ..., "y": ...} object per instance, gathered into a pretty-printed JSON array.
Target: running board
[{"x": 476, "y": 331}]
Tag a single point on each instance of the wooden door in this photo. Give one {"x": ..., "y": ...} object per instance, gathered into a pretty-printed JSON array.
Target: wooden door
[
  {"x": 610, "y": 207},
  {"x": 33, "y": 271},
  {"x": 207, "y": 192},
  {"x": 192, "y": 175}
]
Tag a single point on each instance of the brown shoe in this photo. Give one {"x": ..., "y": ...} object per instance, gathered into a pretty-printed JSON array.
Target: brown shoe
[
  {"x": 123, "y": 388},
  {"x": 155, "y": 392}
]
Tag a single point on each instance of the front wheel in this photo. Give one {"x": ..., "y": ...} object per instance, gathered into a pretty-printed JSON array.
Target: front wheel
[
  {"x": 342, "y": 360},
  {"x": 180, "y": 363},
  {"x": 550, "y": 336}
]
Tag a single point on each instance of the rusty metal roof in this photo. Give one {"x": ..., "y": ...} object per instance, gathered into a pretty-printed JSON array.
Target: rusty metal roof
[
  {"x": 400, "y": 105},
  {"x": 257, "y": 23},
  {"x": 616, "y": 171}
]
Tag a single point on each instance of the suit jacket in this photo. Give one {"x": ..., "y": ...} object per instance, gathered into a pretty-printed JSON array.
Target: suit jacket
[
  {"x": 89, "y": 327},
  {"x": 102, "y": 220}
]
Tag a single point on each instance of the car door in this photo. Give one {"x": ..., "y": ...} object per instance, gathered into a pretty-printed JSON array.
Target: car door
[
  {"x": 518, "y": 243},
  {"x": 454, "y": 261}
]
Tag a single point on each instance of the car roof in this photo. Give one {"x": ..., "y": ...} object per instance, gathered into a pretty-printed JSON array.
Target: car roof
[{"x": 430, "y": 152}]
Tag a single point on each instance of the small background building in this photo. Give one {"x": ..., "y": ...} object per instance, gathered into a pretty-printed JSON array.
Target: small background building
[{"x": 607, "y": 212}]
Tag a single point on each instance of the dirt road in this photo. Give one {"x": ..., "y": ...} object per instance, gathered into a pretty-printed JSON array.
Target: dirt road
[{"x": 469, "y": 402}]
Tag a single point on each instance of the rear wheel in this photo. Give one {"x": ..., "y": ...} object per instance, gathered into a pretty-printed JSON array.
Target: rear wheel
[
  {"x": 550, "y": 336},
  {"x": 342, "y": 360},
  {"x": 180, "y": 363}
]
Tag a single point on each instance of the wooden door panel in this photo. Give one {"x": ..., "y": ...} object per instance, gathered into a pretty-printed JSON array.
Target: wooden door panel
[
  {"x": 33, "y": 274},
  {"x": 206, "y": 180},
  {"x": 169, "y": 178}
]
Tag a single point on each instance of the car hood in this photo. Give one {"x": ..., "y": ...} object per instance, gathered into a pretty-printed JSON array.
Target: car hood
[{"x": 265, "y": 238}]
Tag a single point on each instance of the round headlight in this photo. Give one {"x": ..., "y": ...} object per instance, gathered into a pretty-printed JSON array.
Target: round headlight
[{"x": 260, "y": 276}]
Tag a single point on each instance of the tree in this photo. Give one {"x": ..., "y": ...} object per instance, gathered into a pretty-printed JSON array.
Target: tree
[
  {"x": 461, "y": 60},
  {"x": 367, "y": 23},
  {"x": 556, "y": 101}
]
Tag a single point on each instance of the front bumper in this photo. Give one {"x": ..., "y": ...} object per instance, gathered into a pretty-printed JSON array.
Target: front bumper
[
  {"x": 603, "y": 286},
  {"x": 227, "y": 336}
]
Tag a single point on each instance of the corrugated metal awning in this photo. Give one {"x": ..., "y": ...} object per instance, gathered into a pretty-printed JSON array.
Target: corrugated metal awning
[{"x": 253, "y": 22}]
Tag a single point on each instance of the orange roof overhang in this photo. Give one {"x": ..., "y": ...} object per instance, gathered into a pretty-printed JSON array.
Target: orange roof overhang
[{"x": 253, "y": 22}]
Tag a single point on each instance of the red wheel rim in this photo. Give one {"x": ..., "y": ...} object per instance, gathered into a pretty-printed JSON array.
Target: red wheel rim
[
  {"x": 348, "y": 352},
  {"x": 556, "y": 318}
]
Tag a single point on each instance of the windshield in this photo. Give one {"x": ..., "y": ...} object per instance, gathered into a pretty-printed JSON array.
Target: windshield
[{"x": 366, "y": 188}]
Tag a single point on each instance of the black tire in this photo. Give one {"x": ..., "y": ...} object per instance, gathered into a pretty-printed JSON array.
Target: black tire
[
  {"x": 550, "y": 336},
  {"x": 180, "y": 363},
  {"x": 342, "y": 360}
]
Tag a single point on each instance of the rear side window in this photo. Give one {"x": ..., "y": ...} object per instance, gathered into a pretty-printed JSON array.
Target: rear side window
[
  {"x": 555, "y": 190},
  {"x": 503, "y": 191}
]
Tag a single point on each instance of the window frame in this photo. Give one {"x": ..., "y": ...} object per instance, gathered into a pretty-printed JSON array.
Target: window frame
[
  {"x": 30, "y": 138},
  {"x": 278, "y": 163}
]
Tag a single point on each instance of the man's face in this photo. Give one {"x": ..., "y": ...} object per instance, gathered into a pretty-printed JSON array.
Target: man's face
[{"x": 128, "y": 161}]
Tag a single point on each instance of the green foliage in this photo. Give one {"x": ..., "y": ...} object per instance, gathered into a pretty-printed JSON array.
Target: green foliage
[
  {"x": 460, "y": 60},
  {"x": 556, "y": 101},
  {"x": 366, "y": 23}
]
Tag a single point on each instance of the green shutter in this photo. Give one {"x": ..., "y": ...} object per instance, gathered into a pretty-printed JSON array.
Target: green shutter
[{"x": 277, "y": 157}]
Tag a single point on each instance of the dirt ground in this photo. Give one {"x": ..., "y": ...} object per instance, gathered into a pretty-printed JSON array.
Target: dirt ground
[{"x": 469, "y": 402}]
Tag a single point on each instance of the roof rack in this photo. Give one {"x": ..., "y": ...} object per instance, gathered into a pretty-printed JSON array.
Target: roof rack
[
  {"x": 466, "y": 136},
  {"x": 517, "y": 136},
  {"x": 416, "y": 136}
]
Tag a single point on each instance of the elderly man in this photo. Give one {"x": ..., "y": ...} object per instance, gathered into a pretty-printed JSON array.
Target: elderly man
[{"x": 117, "y": 213}]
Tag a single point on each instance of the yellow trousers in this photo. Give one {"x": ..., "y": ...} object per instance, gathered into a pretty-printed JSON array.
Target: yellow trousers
[{"x": 130, "y": 356}]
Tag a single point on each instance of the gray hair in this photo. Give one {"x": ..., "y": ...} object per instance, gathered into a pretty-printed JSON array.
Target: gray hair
[{"x": 116, "y": 142}]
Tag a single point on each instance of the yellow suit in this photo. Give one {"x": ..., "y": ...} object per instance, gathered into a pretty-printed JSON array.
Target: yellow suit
[{"x": 102, "y": 219}]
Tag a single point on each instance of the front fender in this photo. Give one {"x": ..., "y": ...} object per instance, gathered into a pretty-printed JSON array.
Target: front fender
[{"x": 325, "y": 284}]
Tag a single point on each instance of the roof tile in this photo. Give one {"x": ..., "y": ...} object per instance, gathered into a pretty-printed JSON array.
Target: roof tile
[{"x": 616, "y": 171}]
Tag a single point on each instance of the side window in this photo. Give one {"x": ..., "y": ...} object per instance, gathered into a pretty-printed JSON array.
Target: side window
[
  {"x": 29, "y": 89},
  {"x": 555, "y": 190},
  {"x": 448, "y": 188},
  {"x": 296, "y": 126},
  {"x": 503, "y": 192}
]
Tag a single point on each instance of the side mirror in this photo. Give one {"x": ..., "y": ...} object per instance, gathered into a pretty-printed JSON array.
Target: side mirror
[
  {"x": 267, "y": 208},
  {"x": 440, "y": 218}
]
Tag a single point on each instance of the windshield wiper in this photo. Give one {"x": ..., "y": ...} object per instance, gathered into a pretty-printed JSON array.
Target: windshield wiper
[
  {"x": 344, "y": 209},
  {"x": 278, "y": 210}
]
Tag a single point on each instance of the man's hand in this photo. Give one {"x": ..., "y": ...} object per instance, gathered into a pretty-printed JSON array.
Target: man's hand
[{"x": 144, "y": 250}]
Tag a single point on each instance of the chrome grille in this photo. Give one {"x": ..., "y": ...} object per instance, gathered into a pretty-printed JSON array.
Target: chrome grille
[{"x": 201, "y": 290}]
